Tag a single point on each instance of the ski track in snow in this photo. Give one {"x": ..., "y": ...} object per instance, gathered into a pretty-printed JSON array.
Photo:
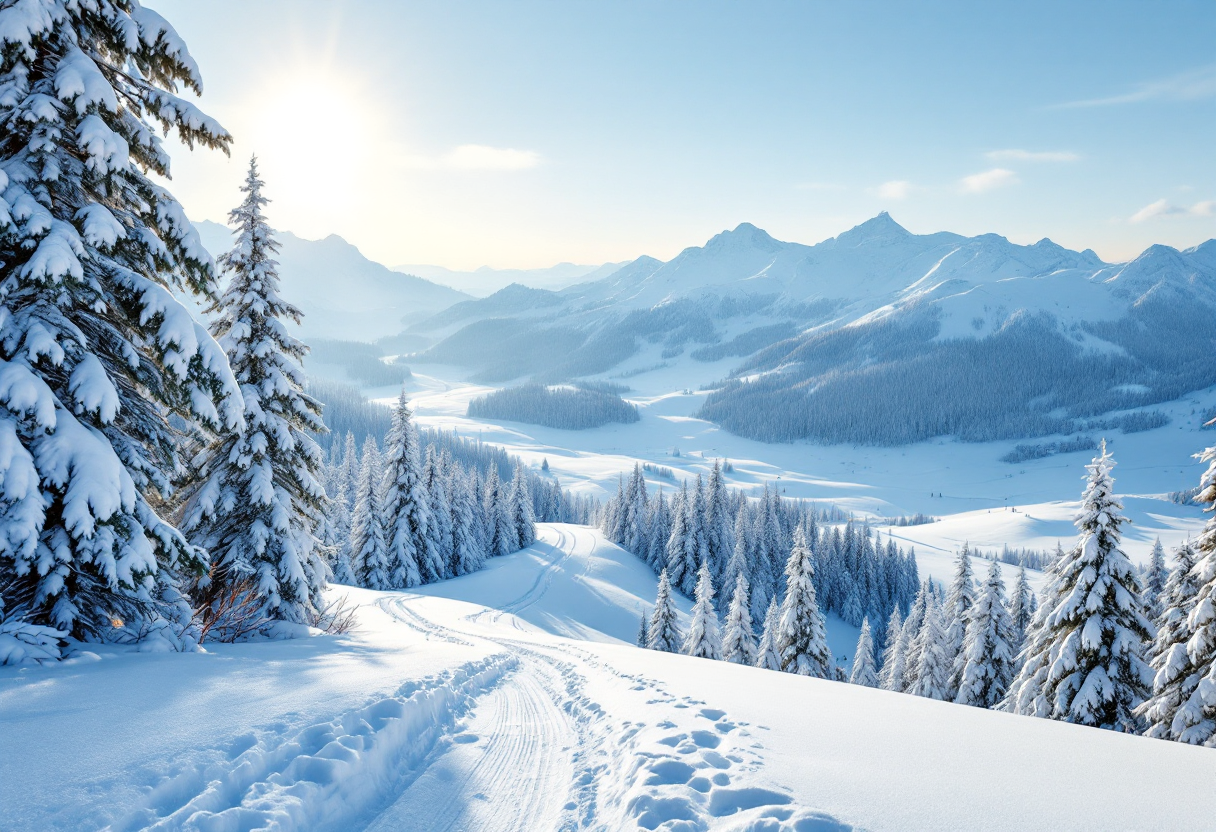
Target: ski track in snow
[{"x": 511, "y": 742}]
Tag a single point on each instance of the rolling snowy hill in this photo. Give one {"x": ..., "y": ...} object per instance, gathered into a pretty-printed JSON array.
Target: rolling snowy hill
[
  {"x": 504, "y": 700},
  {"x": 343, "y": 294}
]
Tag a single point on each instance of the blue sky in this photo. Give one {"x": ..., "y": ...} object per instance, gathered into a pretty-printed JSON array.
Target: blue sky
[{"x": 521, "y": 134}]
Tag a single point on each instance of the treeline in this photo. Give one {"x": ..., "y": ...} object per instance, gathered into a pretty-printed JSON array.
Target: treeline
[
  {"x": 347, "y": 411},
  {"x": 892, "y": 382},
  {"x": 554, "y": 407},
  {"x": 856, "y": 575},
  {"x": 415, "y": 514}
]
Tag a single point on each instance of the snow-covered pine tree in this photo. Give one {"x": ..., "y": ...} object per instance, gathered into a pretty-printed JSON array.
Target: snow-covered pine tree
[
  {"x": 739, "y": 640},
  {"x": 933, "y": 662},
  {"x": 439, "y": 530},
  {"x": 801, "y": 639},
  {"x": 260, "y": 496},
  {"x": 664, "y": 630},
  {"x": 643, "y": 639},
  {"x": 500, "y": 534},
  {"x": 955, "y": 614},
  {"x": 704, "y": 639},
  {"x": 911, "y": 633},
  {"x": 696, "y": 546},
  {"x": 679, "y": 569},
  {"x": 371, "y": 563},
  {"x": 989, "y": 650},
  {"x": 658, "y": 530},
  {"x": 519, "y": 507},
  {"x": 891, "y": 677},
  {"x": 864, "y": 672},
  {"x": 1021, "y": 611},
  {"x": 739, "y": 562},
  {"x": 95, "y": 351},
  {"x": 1154, "y": 580},
  {"x": 1176, "y": 679},
  {"x": 412, "y": 557},
  {"x": 767, "y": 654},
  {"x": 467, "y": 554},
  {"x": 717, "y": 532},
  {"x": 1194, "y": 721},
  {"x": 1084, "y": 658}
]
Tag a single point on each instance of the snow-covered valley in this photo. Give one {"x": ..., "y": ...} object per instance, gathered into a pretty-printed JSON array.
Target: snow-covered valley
[{"x": 513, "y": 699}]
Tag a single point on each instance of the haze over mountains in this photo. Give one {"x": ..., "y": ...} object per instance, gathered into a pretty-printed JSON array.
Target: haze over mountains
[
  {"x": 485, "y": 280},
  {"x": 877, "y": 336}
]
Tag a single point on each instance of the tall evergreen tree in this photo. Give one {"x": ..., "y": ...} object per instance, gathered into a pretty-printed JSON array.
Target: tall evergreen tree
[
  {"x": 439, "y": 531},
  {"x": 894, "y": 654},
  {"x": 717, "y": 532},
  {"x": 664, "y": 630},
  {"x": 679, "y": 569},
  {"x": 658, "y": 530},
  {"x": 768, "y": 656},
  {"x": 933, "y": 661},
  {"x": 1154, "y": 580},
  {"x": 407, "y": 512},
  {"x": 96, "y": 353},
  {"x": 643, "y": 639},
  {"x": 912, "y": 627},
  {"x": 467, "y": 553},
  {"x": 801, "y": 639},
  {"x": 500, "y": 532},
  {"x": 704, "y": 639},
  {"x": 1176, "y": 678},
  {"x": 989, "y": 651},
  {"x": 1084, "y": 661},
  {"x": 1194, "y": 720},
  {"x": 1021, "y": 609},
  {"x": 739, "y": 641},
  {"x": 519, "y": 508},
  {"x": 372, "y": 566},
  {"x": 260, "y": 497},
  {"x": 863, "y": 659},
  {"x": 955, "y": 618}
]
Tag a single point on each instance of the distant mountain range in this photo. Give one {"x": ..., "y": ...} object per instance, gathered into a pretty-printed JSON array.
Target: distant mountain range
[
  {"x": 485, "y": 281},
  {"x": 343, "y": 294},
  {"x": 876, "y": 336}
]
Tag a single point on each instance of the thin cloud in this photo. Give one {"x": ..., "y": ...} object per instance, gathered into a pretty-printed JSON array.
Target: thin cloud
[
  {"x": 895, "y": 189},
  {"x": 978, "y": 183},
  {"x": 1193, "y": 85},
  {"x": 470, "y": 157},
  {"x": 1017, "y": 155},
  {"x": 1165, "y": 208}
]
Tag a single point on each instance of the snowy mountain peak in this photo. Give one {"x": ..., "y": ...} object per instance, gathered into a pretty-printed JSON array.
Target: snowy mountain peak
[
  {"x": 744, "y": 236},
  {"x": 877, "y": 229}
]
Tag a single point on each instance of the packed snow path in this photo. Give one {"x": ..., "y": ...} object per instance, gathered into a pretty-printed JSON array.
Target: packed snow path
[{"x": 507, "y": 700}]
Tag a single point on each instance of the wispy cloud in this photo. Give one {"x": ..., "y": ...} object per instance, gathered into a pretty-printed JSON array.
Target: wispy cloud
[
  {"x": 978, "y": 183},
  {"x": 895, "y": 189},
  {"x": 1165, "y": 208},
  {"x": 1017, "y": 155},
  {"x": 1192, "y": 85},
  {"x": 474, "y": 157}
]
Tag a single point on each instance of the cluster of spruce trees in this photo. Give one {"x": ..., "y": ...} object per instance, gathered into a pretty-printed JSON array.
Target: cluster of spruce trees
[
  {"x": 854, "y": 574},
  {"x": 416, "y": 512}
]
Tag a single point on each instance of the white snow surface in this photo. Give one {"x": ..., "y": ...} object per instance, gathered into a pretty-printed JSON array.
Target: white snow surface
[{"x": 508, "y": 700}]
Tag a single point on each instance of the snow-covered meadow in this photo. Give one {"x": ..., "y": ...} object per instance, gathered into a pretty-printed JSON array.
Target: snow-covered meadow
[{"x": 513, "y": 698}]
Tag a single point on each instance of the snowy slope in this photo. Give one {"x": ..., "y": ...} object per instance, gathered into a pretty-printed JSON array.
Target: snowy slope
[
  {"x": 342, "y": 293},
  {"x": 442, "y": 713}
]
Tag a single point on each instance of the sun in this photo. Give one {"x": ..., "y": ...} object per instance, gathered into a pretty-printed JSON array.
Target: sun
[{"x": 312, "y": 133}]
